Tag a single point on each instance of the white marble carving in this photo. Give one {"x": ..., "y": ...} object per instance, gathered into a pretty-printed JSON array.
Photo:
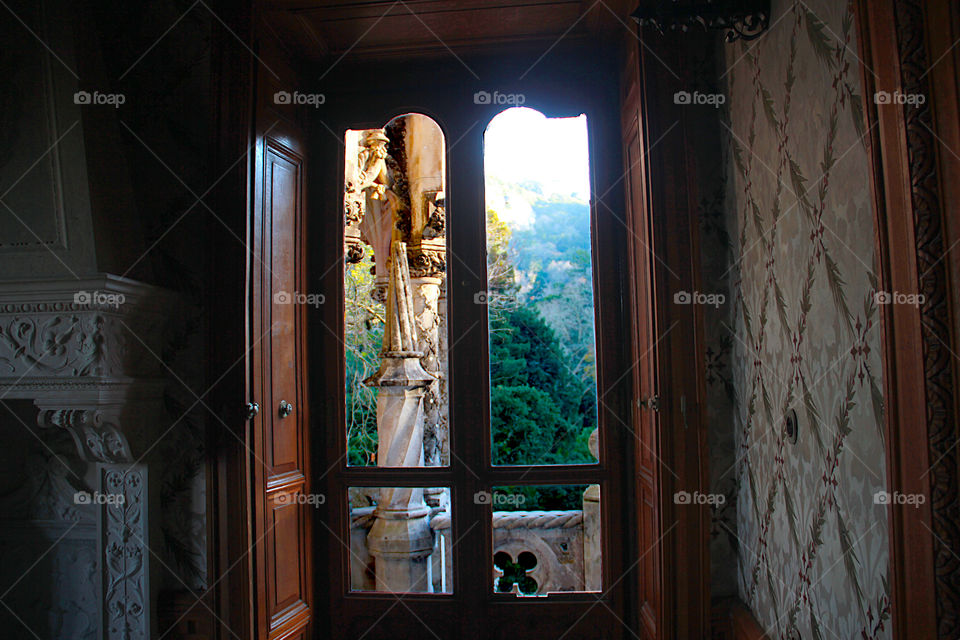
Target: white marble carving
[{"x": 125, "y": 554}]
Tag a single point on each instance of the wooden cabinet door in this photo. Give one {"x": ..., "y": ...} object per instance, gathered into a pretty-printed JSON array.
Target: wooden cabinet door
[{"x": 279, "y": 465}]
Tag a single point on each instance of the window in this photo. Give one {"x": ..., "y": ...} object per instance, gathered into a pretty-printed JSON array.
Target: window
[{"x": 474, "y": 438}]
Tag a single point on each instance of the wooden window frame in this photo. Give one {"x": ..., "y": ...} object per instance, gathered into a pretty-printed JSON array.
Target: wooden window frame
[{"x": 473, "y": 597}]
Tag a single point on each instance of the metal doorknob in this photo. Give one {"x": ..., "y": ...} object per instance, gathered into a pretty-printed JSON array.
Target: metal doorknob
[{"x": 285, "y": 409}]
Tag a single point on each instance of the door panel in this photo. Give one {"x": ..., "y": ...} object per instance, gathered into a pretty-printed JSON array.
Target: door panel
[
  {"x": 660, "y": 183},
  {"x": 644, "y": 350},
  {"x": 282, "y": 201},
  {"x": 281, "y": 528}
]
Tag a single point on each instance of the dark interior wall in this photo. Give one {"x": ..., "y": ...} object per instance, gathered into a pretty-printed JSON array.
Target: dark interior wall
[
  {"x": 158, "y": 57},
  {"x": 716, "y": 252},
  {"x": 134, "y": 182}
]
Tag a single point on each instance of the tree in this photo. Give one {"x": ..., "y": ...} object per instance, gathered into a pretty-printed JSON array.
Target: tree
[{"x": 536, "y": 401}]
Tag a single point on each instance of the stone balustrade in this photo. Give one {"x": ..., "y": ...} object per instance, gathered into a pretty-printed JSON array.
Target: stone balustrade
[{"x": 556, "y": 539}]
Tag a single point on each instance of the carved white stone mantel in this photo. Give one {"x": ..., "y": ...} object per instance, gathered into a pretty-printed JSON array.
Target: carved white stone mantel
[{"x": 86, "y": 352}]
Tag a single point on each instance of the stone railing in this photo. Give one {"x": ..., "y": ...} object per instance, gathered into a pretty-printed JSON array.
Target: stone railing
[
  {"x": 560, "y": 544},
  {"x": 564, "y": 546}
]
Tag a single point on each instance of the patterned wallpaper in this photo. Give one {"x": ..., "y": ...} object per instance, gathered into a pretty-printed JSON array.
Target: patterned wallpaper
[{"x": 801, "y": 332}]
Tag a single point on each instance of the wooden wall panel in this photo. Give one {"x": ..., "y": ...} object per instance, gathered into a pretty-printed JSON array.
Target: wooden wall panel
[{"x": 909, "y": 47}]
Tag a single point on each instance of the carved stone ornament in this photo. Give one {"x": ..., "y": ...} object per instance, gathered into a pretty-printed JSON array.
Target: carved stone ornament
[
  {"x": 99, "y": 327},
  {"x": 427, "y": 263},
  {"x": 436, "y": 225},
  {"x": 745, "y": 19},
  {"x": 354, "y": 253},
  {"x": 86, "y": 353},
  {"x": 126, "y": 555},
  {"x": 97, "y": 437}
]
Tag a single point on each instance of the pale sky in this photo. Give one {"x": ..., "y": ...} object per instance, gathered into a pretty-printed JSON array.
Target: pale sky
[{"x": 521, "y": 144}]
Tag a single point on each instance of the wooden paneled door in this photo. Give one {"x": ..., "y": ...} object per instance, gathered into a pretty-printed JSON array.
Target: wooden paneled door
[
  {"x": 644, "y": 352},
  {"x": 660, "y": 183},
  {"x": 279, "y": 454}
]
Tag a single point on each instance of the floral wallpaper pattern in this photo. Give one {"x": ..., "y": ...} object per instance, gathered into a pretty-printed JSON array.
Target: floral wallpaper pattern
[{"x": 801, "y": 333}]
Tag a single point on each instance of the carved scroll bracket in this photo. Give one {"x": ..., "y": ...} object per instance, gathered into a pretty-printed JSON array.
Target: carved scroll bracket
[
  {"x": 746, "y": 19},
  {"x": 115, "y": 424},
  {"x": 98, "y": 438}
]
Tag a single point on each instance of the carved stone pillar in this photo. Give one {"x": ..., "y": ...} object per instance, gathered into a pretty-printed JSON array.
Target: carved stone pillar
[
  {"x": 425, "y": 167},
  {"x": 126, "y": 557},
  {"x": 400, "y": 539},
  {"x": 426, "y": 306}
]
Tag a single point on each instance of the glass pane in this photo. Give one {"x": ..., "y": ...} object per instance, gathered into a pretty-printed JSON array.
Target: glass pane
[
  {"x": 543, "y": 383},
  {"x": 546, "y": 538},
  {"x": 395, "y": 295},
  {"x": 400, "y": 540}
]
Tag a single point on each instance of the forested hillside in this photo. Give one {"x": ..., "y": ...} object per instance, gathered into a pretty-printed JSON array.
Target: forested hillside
[{"x": 542, "y": 362}]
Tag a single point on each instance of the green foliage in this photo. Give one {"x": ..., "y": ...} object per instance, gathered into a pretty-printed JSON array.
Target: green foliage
[
  {"x": 515, "y": 572},
  {"x": 363, "y": 336},
  {"x": 559, "y": 497},
  {"x": 554, "y": 275},
  {"x": 527, "y": 426},
  {"x": 533, "y": 388}
]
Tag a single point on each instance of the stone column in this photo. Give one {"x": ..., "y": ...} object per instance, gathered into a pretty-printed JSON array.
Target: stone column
[
  {"x": 400, "y": 539},
  {"x": 592, "y": 561},
  {"x": 124, "y": 538},
  {"x": 426, "y": 303}
]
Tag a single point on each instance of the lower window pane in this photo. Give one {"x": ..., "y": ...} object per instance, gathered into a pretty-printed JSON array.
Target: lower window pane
[
  {"x": 546, "y": 538},
  {"x": 399, "y": 539}
]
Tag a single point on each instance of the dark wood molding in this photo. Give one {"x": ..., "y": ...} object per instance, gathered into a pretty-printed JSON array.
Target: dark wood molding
[
  {"x": 229, "y": 508},
  {"x": 914, "y": 221}
]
